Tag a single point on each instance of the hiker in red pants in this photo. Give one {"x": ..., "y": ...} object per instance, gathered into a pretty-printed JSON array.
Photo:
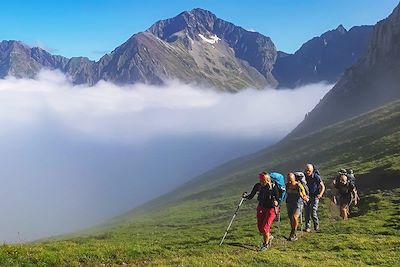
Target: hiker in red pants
[{"x": 267, "y": 208}]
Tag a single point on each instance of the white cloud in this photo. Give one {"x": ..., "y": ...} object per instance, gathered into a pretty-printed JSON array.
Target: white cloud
[
  {"x": 73, "y": 156},
  {"x": 138, "y": 113}
]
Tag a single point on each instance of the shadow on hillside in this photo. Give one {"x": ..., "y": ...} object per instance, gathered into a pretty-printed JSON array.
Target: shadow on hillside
[
  {"x": 378, "y": 179},
  {"x": 365, "y": 205},
  {"x": 394, "y": 221},
  {"x": 241, "y": 245}
]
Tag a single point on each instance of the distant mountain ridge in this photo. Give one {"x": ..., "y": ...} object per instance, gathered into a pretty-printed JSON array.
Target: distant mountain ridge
[
  {"x": 194, "y": 47},
  {"x": 373, "y": 81},
  {"x": 323, "y": 58}
]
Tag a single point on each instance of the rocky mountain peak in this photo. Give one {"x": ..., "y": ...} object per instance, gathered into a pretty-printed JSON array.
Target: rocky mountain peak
[
  {"x": 186, "y": 24},
  {"x": 332, "y": 34},
  {"x": 12, "y": 44},
  {"x": 341, "y": 29}
]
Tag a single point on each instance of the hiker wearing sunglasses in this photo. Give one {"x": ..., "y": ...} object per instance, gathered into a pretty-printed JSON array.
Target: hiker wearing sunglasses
[{"x": 268, "y": 206}]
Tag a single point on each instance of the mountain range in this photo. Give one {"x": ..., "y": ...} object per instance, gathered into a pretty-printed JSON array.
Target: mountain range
[
  {"x": 371, "y": 82},
  {"x": 199, "y": 48},
  {"x": 356, "y": 124},
  {"x": 323, "y": 58}
]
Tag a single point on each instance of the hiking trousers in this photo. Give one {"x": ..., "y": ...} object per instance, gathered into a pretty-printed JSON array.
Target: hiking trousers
[
  {"x": 311, "y": 209},
  {"x": 265, "y": 218}
]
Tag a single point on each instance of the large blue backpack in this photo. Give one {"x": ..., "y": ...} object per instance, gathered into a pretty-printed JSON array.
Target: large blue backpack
[{"x": 279, "y": 181}]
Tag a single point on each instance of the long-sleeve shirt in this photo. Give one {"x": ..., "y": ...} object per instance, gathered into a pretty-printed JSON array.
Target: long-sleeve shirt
[{"x": 266, "y": 195}]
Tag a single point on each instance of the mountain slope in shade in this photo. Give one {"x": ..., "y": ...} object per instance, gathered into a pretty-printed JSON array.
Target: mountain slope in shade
[
  {"x": 372, "y": 82},
  {"x": 323, "y": 58}
]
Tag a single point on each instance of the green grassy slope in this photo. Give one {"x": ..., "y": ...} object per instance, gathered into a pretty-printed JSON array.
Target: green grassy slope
[
  {"x": 369, "y": 143},
  {"x": 184, "y": 227}
]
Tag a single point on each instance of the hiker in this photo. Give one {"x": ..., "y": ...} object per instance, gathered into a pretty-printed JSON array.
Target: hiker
[
  {"x": 316, "y": 190},
  {"x": 295, "y": 197},
  {"x": 345, "y": 191},
  {"x": 268, "y": 206}
]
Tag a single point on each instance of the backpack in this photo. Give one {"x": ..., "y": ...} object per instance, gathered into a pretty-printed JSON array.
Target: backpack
[
  {"x": 279, "y": 181},
  {"x": 350, "y": 177},
  {"x": 301, "y": 178}
]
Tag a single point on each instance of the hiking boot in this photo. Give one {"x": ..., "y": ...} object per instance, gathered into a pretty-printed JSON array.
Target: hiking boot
[
  {"x": 270, "y": 241},
  {"x": 308, "y": 230},
  {"x": 264, "y": 247},
  {"x": 293, "y": 237}
]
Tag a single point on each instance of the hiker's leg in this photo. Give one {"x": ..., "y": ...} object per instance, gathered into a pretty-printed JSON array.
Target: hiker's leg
[
  {"x": 269, "y": 219},
  {"x": 260, "y": 221},
  {"x": 291, "y": 210},
  {"x": 307, "y": 209},
  {"x": 315, "y": 202},
  {"x": 295, "y": 222},
  {"x": 344, "y": 207},
  {"x": 346, "y": 211},
  {"x": 265, "y": 238},
  {"x": 342, "y": 211}
]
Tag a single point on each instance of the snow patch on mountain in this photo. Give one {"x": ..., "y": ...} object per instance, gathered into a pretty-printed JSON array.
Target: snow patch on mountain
[{"x": 212, "y": 40}]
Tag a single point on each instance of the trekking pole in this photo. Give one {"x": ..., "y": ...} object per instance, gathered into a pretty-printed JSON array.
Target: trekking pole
[
  {"x": 230, "y": 223},
  {"x": 279, "y": 223},
  {"x": 301, "y": 221}
]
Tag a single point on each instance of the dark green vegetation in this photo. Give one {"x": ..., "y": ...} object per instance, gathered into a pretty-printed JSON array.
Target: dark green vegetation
[{"x": 185, "y": 227}]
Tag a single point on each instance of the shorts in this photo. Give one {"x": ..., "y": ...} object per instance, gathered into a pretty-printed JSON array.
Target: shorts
[
  {"x": 345, "y": 200},
  {"x": 294, "y": 208},
  {"x": 265, "y": 217}
]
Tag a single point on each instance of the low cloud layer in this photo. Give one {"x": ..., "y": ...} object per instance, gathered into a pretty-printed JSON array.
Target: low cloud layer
[
  {"x": 140, "y": 113},
  {"x": 72, "y": 156}
]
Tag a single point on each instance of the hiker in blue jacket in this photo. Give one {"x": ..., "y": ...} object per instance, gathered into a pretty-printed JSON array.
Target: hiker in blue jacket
[{"x": 316, "y": 190}]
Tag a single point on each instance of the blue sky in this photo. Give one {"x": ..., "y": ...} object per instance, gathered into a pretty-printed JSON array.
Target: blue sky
[{"x": 93, "y": 27}]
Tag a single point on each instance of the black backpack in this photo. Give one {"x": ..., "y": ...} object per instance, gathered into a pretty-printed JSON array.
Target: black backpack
[
  {"x": 350, "y": 177},
  {"x": 264, "y": 196}
]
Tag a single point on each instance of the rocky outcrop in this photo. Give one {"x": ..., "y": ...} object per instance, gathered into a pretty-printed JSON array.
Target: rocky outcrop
[{"x": 370, "y": 83}]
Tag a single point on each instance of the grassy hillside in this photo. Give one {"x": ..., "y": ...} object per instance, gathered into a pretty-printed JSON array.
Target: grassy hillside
[{"x": 184, "y": 227}]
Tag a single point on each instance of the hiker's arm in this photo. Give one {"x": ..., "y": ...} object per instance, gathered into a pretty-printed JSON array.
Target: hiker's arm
[
  {"x": 253, "y": 192},
  {"x": 302, "y": 192},
  {"x": 355, "y": 194},
  {"x": 321, "y": 189},
  {"x": 276, "y": 196},
  {"x": 334, "y": 191}
]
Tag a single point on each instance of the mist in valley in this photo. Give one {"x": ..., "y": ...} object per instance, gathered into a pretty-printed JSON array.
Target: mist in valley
[{"x": 74, "y": 156}]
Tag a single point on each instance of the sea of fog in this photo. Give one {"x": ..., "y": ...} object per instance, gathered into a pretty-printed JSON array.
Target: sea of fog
[{"x": 74, "y": 156}]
